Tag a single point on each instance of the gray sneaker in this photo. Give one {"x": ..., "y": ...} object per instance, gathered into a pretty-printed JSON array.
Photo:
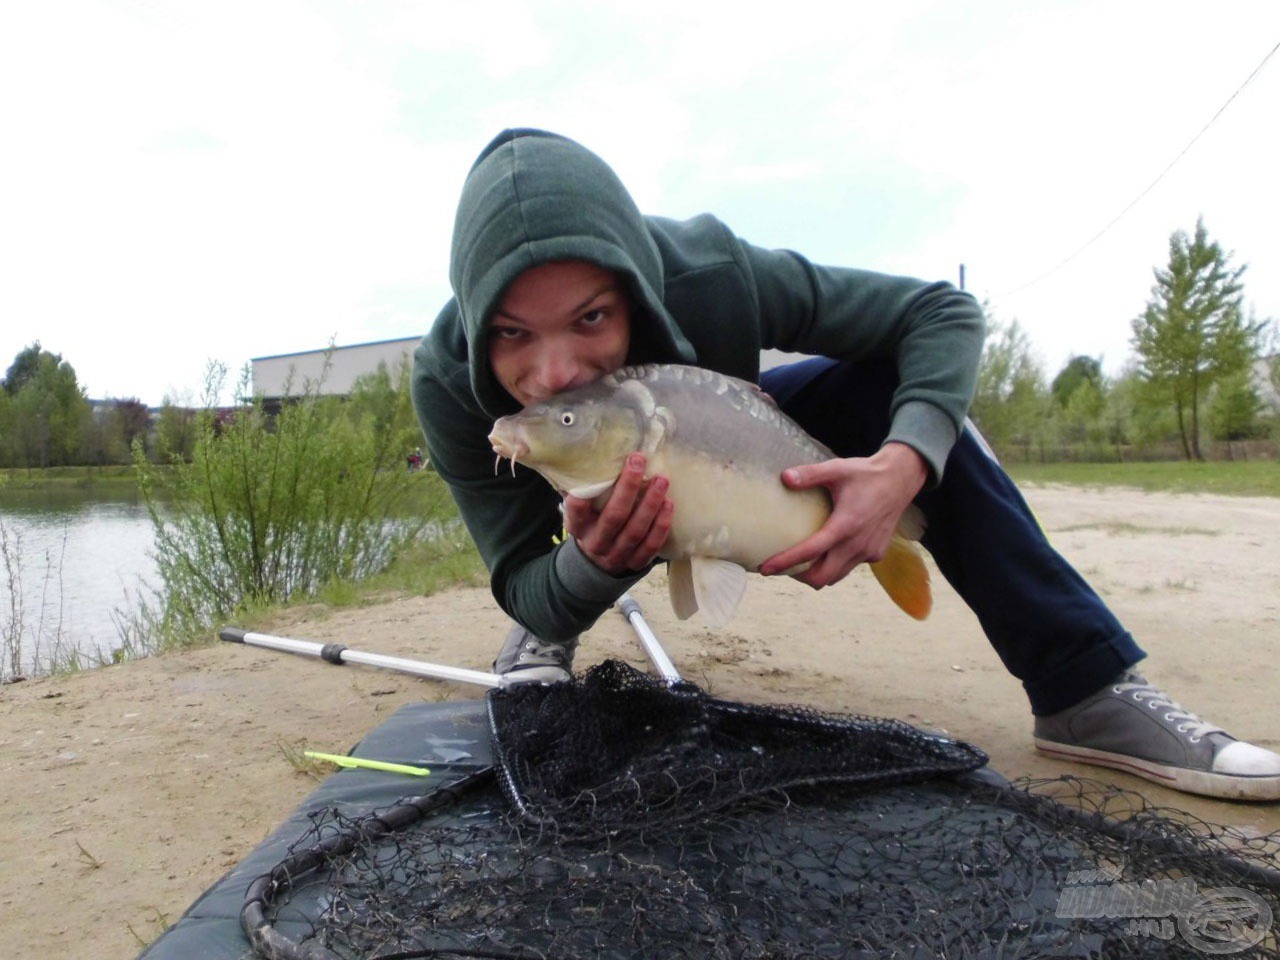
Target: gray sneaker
[
  {"x": 1131, "y": 725},
  {"x": 526, "y": 659}
]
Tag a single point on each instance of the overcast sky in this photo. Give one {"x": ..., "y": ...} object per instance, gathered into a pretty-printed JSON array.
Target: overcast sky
[{"x": 186, "y": 180}]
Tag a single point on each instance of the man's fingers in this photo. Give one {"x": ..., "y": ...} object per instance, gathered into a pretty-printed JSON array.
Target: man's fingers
[
  {"x": 832, "y": 559},
  {"x": 828, "y": 569},
  {"x": 656, "y": 536},
  {"x": 576, "y": 513},
  {"x": 808, "y": 549},
  {"x": 634, "y": 523},
  {"x": 636, "y": 529},
  {"x": 622, "y": 500},
  {"x": 811, "y": 474}
]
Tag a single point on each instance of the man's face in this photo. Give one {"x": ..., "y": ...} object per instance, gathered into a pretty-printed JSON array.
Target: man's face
[{"x": 559, "y": 325}]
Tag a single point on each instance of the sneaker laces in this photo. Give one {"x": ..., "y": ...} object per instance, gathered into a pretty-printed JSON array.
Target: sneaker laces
[
  {"x": 1188, "y": 723},
  {"x": 535, "y": 649}
]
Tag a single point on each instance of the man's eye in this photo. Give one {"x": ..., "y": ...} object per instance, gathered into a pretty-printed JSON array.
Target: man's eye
[
  {"x": 507, "y": 333},
  {"x": 592, "y": 317}
]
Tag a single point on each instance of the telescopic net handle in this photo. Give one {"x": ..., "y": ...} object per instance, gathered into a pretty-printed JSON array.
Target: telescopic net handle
[
  {"x": 631, "y": 611},
  {"x": 337, "y": 653}
]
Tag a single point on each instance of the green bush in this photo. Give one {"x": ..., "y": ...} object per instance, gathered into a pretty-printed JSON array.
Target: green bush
[{"x": 273, "y": 508}]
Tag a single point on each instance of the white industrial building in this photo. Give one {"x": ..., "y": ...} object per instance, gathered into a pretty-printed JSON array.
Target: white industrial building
[{"x": 331, "y": 372}]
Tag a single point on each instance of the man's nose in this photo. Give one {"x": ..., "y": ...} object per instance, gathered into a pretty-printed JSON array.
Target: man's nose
[{"x": 557, "y": 369}]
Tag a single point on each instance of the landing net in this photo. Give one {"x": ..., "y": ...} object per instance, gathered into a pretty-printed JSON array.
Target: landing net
[{"x": 628, "y": 819}]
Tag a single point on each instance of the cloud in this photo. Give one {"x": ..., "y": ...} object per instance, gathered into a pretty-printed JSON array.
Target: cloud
[{"x": 241, "y": 179}]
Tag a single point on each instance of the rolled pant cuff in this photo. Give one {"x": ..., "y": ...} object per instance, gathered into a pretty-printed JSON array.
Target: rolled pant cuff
[{"x": 1082, "y": 676}]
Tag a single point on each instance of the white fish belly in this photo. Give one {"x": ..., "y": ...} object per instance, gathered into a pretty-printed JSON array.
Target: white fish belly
[{"x": 734, "y": 512}]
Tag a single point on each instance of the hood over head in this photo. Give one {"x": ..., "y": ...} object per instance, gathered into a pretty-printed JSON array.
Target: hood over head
[{"x": 533, "y": 197}]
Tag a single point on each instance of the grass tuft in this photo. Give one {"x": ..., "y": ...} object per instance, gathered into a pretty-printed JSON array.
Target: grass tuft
[
  {"x": 88, "y": 859},
  {"x": 295, "y": 753},
  {"x": 1253, "y": 478}
]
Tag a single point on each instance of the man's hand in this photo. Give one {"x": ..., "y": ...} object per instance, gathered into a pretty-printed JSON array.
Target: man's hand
[
  {"x": 626, "y": 533},
  {"x": 869, "y": 495}
]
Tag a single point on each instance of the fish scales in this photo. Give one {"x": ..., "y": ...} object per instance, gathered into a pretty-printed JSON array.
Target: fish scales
[
  {"x": 723, "y": 451},
  {"x": 722, "y": 444},
  {"x": 713, "y": 422}
]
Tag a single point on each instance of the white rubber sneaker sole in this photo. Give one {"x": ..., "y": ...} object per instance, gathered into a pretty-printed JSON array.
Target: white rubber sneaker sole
[
  {"x": 536, "y": 675},
  {"x": 1260, "y": 786}
]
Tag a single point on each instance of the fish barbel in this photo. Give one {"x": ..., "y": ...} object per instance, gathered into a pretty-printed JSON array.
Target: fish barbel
[{"x": 722, "y": 444}]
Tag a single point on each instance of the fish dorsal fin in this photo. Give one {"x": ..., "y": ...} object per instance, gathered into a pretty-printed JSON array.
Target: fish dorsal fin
[
  {"x": 680, "y": 588},
  {"x": 718, "y": 586},
  {"x": 905, "y": 578}
]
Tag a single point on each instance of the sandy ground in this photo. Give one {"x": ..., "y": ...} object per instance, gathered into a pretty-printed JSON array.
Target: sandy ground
[{"x": 127, "y": 791}]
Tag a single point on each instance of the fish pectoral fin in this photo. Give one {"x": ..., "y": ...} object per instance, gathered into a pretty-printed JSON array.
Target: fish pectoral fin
[
  {"x": 912, "y": 523},
  {"x": 680, "y": 587},
  {"x": 590, "y": 491},
  {"x": 905, "y": 577},
  {"x": 718, "y": 586}
]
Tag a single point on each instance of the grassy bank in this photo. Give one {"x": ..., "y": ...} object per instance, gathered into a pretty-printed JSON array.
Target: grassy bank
[
  {"x": 109, "y": 479},
  {"x": 427, "y": 567},
  {"x": 1254, "y": 478}
]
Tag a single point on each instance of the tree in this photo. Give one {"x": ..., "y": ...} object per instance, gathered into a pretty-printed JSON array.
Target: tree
[
  {"x": 1009, "y": 400},
  {"x": 1118, "y": 411},
  {"x": 1234, "y": 408},
  {"x": 47, "y": 411},
  {"x": 1192, "y": 333},
  {"x": 6, "y": 429},
  {"x": 1079, "y": 370},
  {"x": 25, "y": 366},
  {"x": 109, "y": 433},
  {"x": 176, "y": 431},
  {"x": 133, "y": 420},
  {"x": 1083, "y": 420}
]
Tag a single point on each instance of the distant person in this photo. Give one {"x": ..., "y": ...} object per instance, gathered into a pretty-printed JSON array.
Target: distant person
[{"x": 558, "y": 280}]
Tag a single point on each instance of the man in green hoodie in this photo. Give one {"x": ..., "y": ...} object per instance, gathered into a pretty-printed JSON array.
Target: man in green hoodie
[{"x": 559, "y": 279}]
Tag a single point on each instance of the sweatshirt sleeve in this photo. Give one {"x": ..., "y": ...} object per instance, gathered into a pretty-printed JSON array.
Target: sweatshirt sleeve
[{"x": 933, "y": 331}]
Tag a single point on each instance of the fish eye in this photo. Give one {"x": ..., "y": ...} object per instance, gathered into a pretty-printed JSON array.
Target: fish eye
[{"x": 567, "y": 418}]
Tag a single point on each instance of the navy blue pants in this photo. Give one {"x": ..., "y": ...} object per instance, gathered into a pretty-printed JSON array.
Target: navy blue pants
[{"x": 1046, "y": 623}]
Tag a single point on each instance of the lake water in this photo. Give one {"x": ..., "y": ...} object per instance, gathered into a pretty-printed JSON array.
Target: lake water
[{"x": 81, "y": 558}]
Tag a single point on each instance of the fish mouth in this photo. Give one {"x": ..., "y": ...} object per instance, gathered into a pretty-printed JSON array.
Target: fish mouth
[{"x": 507, "y": 443}]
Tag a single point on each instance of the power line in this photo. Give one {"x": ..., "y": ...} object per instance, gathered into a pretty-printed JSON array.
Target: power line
[{"x": 1151, "y": 186}]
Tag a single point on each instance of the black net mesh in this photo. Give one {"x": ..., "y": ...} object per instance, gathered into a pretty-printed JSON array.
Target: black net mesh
[
  {"x": 650, "y": 822},
  {"x": 618, "y": 750}
]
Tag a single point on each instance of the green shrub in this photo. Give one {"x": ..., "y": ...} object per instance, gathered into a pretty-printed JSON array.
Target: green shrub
[{"x": 274, "y": 508}]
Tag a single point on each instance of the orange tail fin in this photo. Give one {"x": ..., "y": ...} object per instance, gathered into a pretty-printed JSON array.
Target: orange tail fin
[{"x": 905, "y": 578}]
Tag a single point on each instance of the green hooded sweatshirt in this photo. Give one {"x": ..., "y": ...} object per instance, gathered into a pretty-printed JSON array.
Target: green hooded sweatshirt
[{"x": 700, "y": 296}]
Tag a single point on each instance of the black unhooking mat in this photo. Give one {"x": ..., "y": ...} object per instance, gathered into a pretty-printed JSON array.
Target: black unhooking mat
[
  {"x": 451, "y": 739},
  {"x": 617, "y": 817}
]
